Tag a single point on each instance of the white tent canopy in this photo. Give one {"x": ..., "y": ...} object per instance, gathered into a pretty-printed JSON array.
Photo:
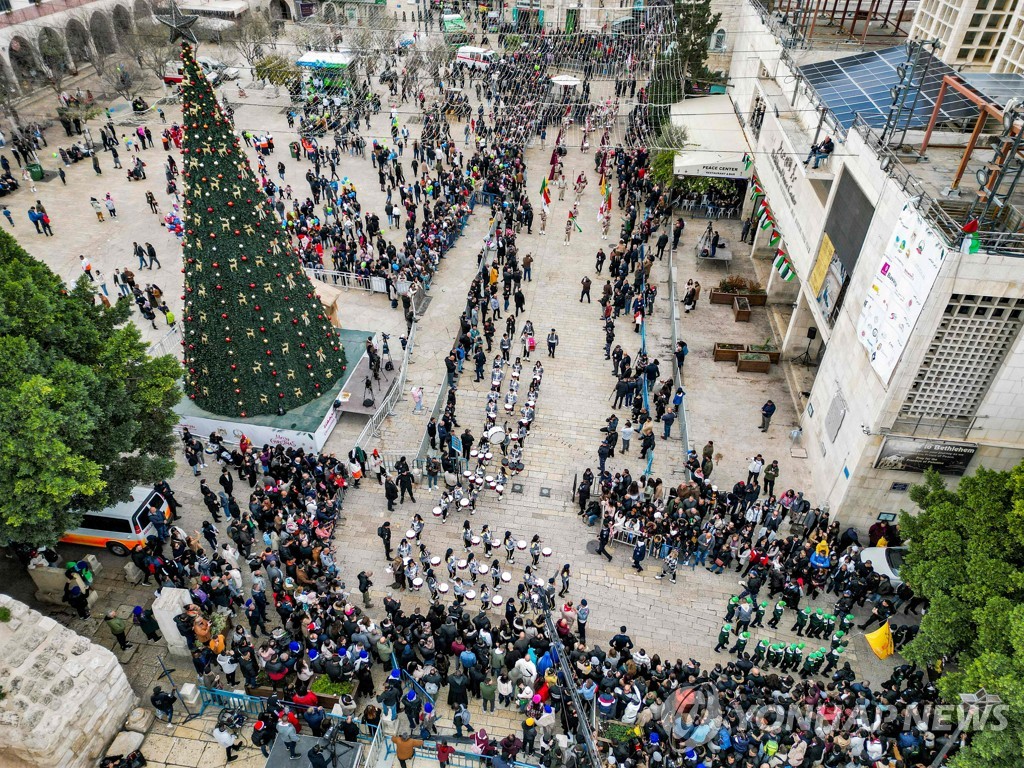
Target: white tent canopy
[
  {"x": 326, "y": 59},
  {"x": 715, "y": 143}
]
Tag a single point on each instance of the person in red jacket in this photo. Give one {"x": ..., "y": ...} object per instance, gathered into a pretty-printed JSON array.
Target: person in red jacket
[
  {"x": 444, "y": 752},
  {"x": 307, "y": 699}
]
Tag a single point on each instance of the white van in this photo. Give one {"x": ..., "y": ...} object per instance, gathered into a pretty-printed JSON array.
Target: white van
[
  {"x": 475, "y": 58},
  {"x": 122, "y": 527}
]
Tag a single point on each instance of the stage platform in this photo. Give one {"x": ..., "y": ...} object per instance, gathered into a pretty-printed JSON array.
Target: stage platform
[
  {"x": 306, "y": 427},
  {"x": 356, "y": 390},
  {"x": 348, "y": 755}
]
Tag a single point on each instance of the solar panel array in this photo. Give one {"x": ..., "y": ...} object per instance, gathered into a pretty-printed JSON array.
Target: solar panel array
[
  {"x": 862, "y": 84},
  {"x": 997, "y": 87}
]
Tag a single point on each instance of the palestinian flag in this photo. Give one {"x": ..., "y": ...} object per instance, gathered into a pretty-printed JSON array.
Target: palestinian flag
[
  {"x": 775, "y": 239},
  {"x": 783, "y": 266},
  {"x": 747, "y": 161},
  {"x": 576, "y": 223},
  {"x": 765, "y": 219},
  {"x": 971, "y": 242},
  {"x": 545, "y": 192}
]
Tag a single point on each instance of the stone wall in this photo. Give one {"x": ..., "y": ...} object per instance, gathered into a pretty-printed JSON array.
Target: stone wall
[{"x": 65, "y": 698}]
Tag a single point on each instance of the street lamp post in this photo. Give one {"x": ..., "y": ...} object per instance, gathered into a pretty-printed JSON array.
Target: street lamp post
[{"x": 975, "y": 702}]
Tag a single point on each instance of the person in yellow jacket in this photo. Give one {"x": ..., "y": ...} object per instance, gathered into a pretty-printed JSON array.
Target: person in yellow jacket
[{"x": 405, "y": 747}]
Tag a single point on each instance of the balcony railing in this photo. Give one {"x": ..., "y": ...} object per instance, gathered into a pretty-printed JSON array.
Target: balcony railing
[{"x": 948, "y": 215}]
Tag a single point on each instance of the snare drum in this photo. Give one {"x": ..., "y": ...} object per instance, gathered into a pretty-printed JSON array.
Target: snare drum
[
  {"x": 475, "y": 541},
  {"x": 437, "y": 512},
  {"x": 488, "y": 456},
  {"x": 442, "y": 588},
  {"x": 462, "y": 565},
  {"x": 410, "y": 534},
  {"x": 497, "y": 600},
  {"x": 506, "y": 577},
  {"x": 492, "y": 485},
  {"x": 471, "y": 594},
  {"x": 521, "y": 544},
  {"x": 478, "y": 480},
  {"x": 490, "y": 480},
  {"x": 417, "y": 583},
  {"x": 435, "y": 561},
  {"x": 483, "y": 570},
  {"x": 464, "y": 503},
  {"x": 499, "y": 489},
  {"x": 546, "y": 551},
  {"x": 467, "y": 474},
  {"x": 474, "y": 453}
]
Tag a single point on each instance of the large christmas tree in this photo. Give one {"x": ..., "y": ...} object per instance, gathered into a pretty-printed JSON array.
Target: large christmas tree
[{"x": 257, "y": 339}]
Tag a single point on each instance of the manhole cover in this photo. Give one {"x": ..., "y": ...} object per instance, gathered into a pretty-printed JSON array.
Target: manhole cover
[
  {"x": 517, "y": 487},
  {"x": 545, "y": 492}
]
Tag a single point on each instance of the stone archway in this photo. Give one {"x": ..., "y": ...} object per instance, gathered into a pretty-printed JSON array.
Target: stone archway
[
  {"x": 25, "y": 62},
  {"x": 280, "y": 10},
  {"x": 143, "y": 10},
  {"x": 53, "y": 49},
  {"x": 121, "y": 19},
  {"x": 79, "y": 41},
  {"x": 102, "y": 33}
]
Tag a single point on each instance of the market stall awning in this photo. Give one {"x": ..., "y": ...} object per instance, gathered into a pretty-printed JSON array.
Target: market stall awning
[{"x": 715, "y": 144}]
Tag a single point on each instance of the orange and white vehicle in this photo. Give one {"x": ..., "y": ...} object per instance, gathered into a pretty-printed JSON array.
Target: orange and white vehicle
[
  {"x": 123, "y": 526},
  {"x": 474, "y": 58}
]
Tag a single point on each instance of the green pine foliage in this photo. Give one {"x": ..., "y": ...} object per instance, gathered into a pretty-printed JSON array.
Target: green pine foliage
[
  {"x": 85, "y": 413},
  {"x": 256, "y": 336},
  {"x": 683, "y": 59},
  {"x": 966, "y": 555}
]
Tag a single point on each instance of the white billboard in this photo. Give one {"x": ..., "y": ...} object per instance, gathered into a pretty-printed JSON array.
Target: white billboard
[{"x": 899, "y": 289}]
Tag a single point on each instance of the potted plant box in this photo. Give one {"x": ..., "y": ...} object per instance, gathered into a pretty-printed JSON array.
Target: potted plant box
[
  {"x": 773, "y": 352},
  {"x": 741, "y": 309},
  {"x": 728, "y": 353},
  {"x": 753, "y": 362},
  {"x": 734, "y": 285}
]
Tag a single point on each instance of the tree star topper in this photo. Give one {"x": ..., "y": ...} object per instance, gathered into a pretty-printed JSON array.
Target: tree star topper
[{"x": 180, "y": 24}]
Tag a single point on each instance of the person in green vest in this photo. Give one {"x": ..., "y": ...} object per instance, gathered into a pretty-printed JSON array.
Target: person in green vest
[
  {"x": 760, "y": 650},
  {"x": 741, "y": 643},
  {"x": 759, "y": 610},
  {"x": 830, "y": 625},
  {"x": 847, "y": 621},
  {"x": 730, "y": 611},
  {"x": 801, "y": 621},
  {"x": 817, "y": 623},
  {"x": 832, "y": 659},
  {"x": 723, "y": 637},
  {"x": 774, "y": 656},
  {"x": 838, "y": 639},
  {"x": 792, "y": 657},
  {"x": 777, "y": 611},
  {"x": 808, "y": 666}
]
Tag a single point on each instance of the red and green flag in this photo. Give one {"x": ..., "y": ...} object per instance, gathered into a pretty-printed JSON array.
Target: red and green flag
[{"x": 545, "y": 193}]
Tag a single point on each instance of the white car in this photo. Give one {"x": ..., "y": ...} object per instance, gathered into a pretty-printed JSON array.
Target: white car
[
  {"x": 886, "y": 561},
  {"x": 222, "y": 70}
]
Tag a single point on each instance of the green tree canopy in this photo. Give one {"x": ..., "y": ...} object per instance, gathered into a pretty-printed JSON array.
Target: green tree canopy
[
  {"x": 85, "y": 413},
  {"x": 966, "y": 555}
]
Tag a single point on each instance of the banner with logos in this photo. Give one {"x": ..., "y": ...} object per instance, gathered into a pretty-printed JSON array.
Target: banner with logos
[{"x": 899, "y": 289}]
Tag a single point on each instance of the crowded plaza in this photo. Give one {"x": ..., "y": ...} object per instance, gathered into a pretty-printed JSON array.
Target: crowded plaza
[{"x": 564, "y": 543}]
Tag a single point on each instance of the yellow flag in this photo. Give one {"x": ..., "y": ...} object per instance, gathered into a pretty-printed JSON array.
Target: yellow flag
[{"x": 881, "y": 641}]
